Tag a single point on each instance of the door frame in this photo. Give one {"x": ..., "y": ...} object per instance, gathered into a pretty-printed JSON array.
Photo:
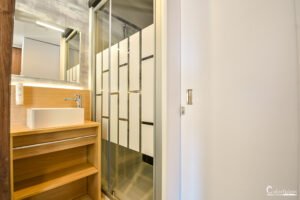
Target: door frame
[
  {"x": 168, "y": 99},
  {"x": 159, "y": 28},
  {"x": 7, "y": 8},
  {"x": 167, "y": 167}
]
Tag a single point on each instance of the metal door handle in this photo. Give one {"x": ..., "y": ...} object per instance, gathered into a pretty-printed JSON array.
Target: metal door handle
[{"x": 189, "y": 97}]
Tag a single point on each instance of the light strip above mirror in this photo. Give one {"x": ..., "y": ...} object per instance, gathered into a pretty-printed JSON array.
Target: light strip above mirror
[
  {"x": 36, "y": 82},
  {"x": 45, "y": 85},
  {"x": 50, "y": 26}
]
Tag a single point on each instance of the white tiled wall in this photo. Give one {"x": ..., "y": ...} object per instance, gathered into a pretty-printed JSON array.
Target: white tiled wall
[{"x": 130, "y": 92}]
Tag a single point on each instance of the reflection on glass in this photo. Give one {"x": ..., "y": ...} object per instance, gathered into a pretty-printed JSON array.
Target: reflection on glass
[{"x": 102, "y": 43}]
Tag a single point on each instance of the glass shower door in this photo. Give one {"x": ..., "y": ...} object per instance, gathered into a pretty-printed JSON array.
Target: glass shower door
[
  {"x": 101, "y": 50},
  {"x": 124, "y": 96}
]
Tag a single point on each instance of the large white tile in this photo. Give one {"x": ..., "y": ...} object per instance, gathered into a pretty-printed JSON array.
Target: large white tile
[
  {"x": 123, "y": 133},
  {"x": 114, "y": 118},
  {"x": 98, "y": 108},
  {"x": 99, "y": 73},
  {"x": 148, "y": 90},
  {"x": 134, "y": 121},
  {"x": 147, "y": 139},
  {"x": 123, "y": 46},
  {"x": 104, "y": 128},
  {"x": 114, "y": 69},
  {"x": 105, "y": 94},
  {"x": 123, "y": 91},
  {"x": 134, "y": 62},
  {"x": 105, "y": 58},
  {"x": 148, "y": 41}
]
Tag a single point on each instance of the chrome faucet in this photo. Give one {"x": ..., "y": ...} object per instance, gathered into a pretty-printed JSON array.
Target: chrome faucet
[{"x": 77, "y": 99}]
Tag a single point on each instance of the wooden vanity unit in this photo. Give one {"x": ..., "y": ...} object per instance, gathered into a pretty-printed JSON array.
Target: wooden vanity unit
[{"x": 57, "y": 163}]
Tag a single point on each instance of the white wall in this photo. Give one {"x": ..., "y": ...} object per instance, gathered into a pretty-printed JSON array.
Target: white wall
[
  {"x": 242, "y": 133},
  {"x": 40, "y": 60},
  {"x": 254, "y": 104}
]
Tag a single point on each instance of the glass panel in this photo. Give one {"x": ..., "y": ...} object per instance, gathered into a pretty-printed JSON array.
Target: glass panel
[
  {"x": 102, "y": 88},
  {"x": 123, "y": 32},
  {"x": 131, "y": 173}
]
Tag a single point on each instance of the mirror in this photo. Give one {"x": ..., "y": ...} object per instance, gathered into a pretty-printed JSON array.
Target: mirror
[{"x": 45, "y": 50}]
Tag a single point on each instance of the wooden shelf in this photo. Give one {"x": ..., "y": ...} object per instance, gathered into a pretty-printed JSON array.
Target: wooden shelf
[
  {"x": 21, "y": 131},
  {"x": 37, "y": 185}
]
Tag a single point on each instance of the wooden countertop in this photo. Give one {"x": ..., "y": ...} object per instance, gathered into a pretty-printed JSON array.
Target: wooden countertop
[{"x": 19, "y": 131}]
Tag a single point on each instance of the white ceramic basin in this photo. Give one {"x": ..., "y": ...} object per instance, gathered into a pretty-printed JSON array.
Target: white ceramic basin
[{"x": 53, "y": 117}]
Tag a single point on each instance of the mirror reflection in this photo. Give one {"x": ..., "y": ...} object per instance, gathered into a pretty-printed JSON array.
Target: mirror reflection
[{"x": 45, "y": 50}]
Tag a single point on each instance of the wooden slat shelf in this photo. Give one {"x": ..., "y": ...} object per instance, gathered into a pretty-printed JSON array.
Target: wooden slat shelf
[
  {"x": 57, "y": 163},
  {"x": 37, "y": 185}
]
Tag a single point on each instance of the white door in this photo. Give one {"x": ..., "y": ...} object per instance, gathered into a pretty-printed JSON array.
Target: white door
[{"x": 194, "y": 76}]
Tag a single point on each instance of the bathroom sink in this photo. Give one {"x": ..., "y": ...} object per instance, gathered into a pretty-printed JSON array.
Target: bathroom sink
[{"x": 53, "y": 117}]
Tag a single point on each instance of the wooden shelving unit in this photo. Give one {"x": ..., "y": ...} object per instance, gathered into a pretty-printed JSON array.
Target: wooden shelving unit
[
  {"x": 63, "y": 164},
  {"x": 51, "y": 181}
]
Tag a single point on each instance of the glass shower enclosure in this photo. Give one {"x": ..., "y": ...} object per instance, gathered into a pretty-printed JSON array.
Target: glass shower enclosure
[{"x": 123, "y": 66}]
